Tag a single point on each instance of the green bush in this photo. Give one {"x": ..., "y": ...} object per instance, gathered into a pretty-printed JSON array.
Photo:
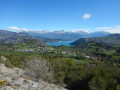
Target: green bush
[
  {"x": 77, "y": 76},
  {"x": 14, "y": 61}
]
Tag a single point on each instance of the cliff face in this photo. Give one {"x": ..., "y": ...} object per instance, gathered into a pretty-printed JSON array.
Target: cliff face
[{"x": 15, "y": 80}]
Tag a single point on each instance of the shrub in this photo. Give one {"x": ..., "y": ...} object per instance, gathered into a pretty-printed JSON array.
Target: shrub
[{"x": 39, "y": 68}]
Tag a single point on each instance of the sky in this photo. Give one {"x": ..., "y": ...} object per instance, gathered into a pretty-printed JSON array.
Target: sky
[{"x": 68, "y": 15}]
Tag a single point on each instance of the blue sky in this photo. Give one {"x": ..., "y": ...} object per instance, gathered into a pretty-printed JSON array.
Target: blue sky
[{"x": 90, "y": 15}]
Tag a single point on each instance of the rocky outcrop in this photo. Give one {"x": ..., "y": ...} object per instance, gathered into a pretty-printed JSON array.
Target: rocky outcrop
[{"x": 16, "y": 81}]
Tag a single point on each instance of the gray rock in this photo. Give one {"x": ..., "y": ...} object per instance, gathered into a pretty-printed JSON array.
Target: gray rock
[
  {"x": 7, "y": 88},
  {"x": 19, "y": 82},
  {"x": 34, "y": 85},
  {"x": 8, "y": 79}
]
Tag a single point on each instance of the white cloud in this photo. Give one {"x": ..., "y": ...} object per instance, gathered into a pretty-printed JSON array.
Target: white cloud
[
  {"x": 86, "y": 16},
  {"x": 14, "y": 28},
  {"x": 18, "y": 29},
  {"x": 103, "y": 28},
  {"x": 114, "y": 29},
  {"x": 23, "y": 29}
]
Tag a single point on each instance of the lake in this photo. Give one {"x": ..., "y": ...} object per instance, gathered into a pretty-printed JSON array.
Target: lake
[{"x": 60, "y": 43}]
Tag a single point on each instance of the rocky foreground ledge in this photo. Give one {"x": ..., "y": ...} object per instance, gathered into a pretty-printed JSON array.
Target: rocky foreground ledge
[{"x": 15, "y": 81}]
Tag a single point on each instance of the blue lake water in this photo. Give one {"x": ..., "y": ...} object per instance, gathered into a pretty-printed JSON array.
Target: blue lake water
[{"x": 60, "y": 43}]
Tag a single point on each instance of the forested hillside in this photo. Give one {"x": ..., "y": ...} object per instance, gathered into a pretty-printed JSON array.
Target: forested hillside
[{"x": 110, "y": 40}]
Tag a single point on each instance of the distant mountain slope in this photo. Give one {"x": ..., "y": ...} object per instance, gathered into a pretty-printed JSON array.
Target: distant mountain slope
[
  {"x": 13, "y": 37},
  {"x": 45, "y": 40},
  {"x": 66, "y": 35},
  {"x": 110, "y": 40}
]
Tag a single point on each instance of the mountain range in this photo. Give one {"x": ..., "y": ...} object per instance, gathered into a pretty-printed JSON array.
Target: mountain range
[
  {"x": 66, "y": 35},
  {"x": 47, "y": 36}
]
